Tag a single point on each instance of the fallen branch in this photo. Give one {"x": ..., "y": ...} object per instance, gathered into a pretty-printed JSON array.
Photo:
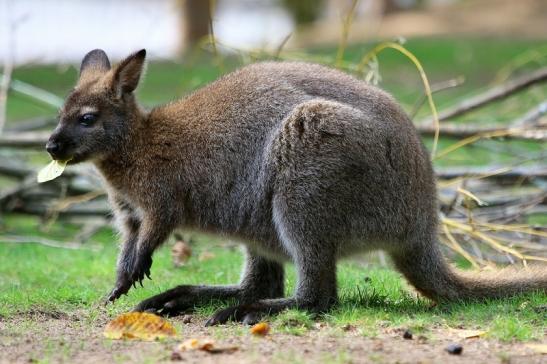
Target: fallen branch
[
  {"x": 27, "y": 183},
  {"x": 441, "y": 86},
  {"x": 31, "y": 139},
  {"x": 4, "y": 88},
  {"x": 497, "y": 93},
  {"x": 46, "y": 97},
  {"x": 88, "y": 209},
  {"x": 493, "y": 172},
  {"x": 31, "y": 124},
  {"x": 532, "y": 116},
  {"x": 46, "y": 242},
  {"x": 465, "y": 131}
]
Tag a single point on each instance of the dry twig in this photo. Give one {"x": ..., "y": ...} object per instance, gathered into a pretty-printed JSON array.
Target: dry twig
[{"x": 496, "y": 93}]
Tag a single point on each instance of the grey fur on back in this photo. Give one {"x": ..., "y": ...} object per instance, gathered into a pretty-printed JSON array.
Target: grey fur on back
[{"x": 343, "y": 136}]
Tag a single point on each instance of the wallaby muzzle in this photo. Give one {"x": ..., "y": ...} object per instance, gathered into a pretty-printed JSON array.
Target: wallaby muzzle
[{"x": 58, "y": 146}]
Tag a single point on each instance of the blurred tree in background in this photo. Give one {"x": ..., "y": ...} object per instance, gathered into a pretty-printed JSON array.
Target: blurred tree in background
[
  {"x": 196, "y": 24},
  {"x": 304, "y": 11}
]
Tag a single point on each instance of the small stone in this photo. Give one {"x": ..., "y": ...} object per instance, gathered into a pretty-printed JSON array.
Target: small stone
[
  {"x": 378, "y": 346},
  {"x": 176, "y": 356},
  {"x": 320, "y": 325},
  {"x": 407, "y": 334},
  {"x": 349, "y": 327},
  {"x": 454, "y": 349},
  {"x": 186, "y": 319}
]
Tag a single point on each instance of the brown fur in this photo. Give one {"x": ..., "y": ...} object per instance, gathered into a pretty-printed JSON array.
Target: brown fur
[{"x": 303, "y": 163}]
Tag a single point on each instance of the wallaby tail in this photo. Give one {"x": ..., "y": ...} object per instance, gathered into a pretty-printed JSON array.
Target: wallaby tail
[{"x": 427, "y": 270}]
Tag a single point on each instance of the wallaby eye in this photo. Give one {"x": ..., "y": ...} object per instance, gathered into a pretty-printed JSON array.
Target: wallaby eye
[{"x": 88, "y": 119}]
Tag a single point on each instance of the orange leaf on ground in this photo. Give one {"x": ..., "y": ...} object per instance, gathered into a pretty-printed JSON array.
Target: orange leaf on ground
[
  {"x": 139, "y": 325},
  {"x": 203, "y": 345},
  {"x": 195, "y": 344},
  {"x": 262, "y": 329},
  {"x": 538, "y": 348},
  {"x": 468, "y": 334}
]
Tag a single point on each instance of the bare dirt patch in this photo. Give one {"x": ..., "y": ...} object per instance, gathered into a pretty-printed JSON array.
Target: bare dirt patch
[
  {"x": 76, "y": 338},
  {"x": 501, "y": 18}
]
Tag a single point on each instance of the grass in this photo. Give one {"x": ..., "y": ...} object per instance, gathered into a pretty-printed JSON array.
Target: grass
[{"x": 35, "y": 277}]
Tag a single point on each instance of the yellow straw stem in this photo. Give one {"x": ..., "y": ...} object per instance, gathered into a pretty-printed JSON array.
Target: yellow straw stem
[
  {"x": 458, "y": 248},
  {"x": 380, "y": 47},
  {"x": 346, "y": 24},
  {"x": 473, "y": 139}
]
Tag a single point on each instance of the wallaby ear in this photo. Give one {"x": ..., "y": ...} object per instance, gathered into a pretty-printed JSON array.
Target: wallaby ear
[
  {"x": 96, "y": 60},
  {"x": 128, "y": 73}
]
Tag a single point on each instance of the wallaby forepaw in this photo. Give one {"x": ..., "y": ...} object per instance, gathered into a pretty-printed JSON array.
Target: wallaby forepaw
[
  {"x": 123, "y": 285},
  {"x": 117, "y": 293},
  {"x": 141, "y": 269}
]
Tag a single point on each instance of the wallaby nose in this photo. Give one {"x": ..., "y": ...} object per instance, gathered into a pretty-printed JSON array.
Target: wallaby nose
[{"x": 53, "y": 147}]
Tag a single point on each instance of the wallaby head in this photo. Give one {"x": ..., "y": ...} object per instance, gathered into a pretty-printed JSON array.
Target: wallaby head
[{"x": 100, "y": 111}]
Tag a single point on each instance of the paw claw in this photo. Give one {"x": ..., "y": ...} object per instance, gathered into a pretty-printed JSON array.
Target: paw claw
[
  {"x": 211, "y": 322},
  {"x": 113, "y": 296}
]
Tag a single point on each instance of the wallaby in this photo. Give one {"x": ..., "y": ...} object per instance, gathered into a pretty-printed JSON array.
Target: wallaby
[{"x": 303, "y": 163}]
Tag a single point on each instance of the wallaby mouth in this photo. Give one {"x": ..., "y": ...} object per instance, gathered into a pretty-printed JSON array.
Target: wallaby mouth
[{"x": 57, "y": 149}]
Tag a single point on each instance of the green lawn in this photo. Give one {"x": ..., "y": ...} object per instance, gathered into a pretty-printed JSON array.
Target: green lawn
[
  {"x": 37, "y": 277},
  {"x": 34, "y": 276}
]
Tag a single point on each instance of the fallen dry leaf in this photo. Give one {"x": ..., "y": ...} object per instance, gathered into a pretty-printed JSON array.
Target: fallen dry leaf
[
  {"x": 139, "y": 325},
  {"x": 206, "y": 256},
  {"x": 468, "y": 334},
  {"x": 204, "y": 345},
  {"x": 196, "y": 344},
  {"x": 261, "y": 329},
  {"x": 538, "y": 348},
  {"x": 180, "y": 253}
]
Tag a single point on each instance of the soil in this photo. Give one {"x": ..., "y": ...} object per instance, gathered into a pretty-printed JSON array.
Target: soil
[
  {"x": 40, "y": 336},
  {"x": 493, "y": 18}
]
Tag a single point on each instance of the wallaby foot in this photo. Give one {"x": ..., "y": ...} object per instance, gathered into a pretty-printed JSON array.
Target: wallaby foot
[
  {"x": 262, "y": 278},
  {"x": 183, "y": 298},
  {"x": 250, "y": 313}
]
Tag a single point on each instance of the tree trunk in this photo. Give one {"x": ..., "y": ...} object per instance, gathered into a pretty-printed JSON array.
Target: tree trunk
[{"x": 196, "y": 20}]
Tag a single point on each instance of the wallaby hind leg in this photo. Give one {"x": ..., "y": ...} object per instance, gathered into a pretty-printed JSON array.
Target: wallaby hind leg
[
  {"x": 262, "y": 278},
  {"x": 306, "y": 153},
  {"x": 315, "y": 263}
]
